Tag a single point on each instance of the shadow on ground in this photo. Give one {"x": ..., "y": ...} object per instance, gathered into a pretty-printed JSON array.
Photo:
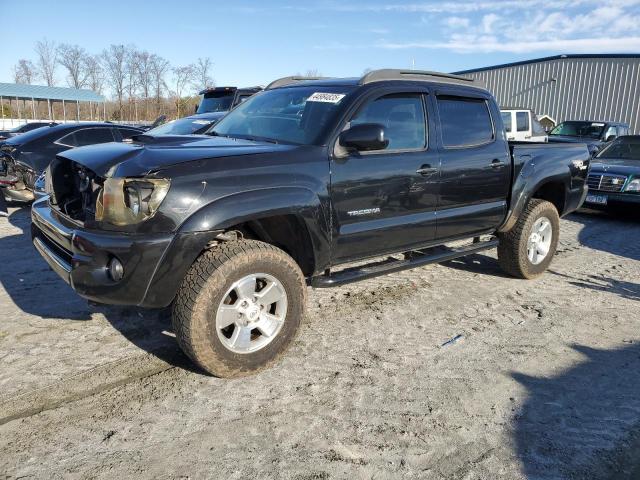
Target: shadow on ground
[
  {"x": 603, "y": 283},
  {"x": 477, "y": 263},
  {"x": 613, "y": 232},
  {"x": 37, "y": 290},
  {"x": 585, "y": 422}
]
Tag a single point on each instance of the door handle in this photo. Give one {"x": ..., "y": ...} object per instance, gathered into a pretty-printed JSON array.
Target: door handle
[
  {"x": 426, "y": 169},
  {"x": 497, "y": 163}
]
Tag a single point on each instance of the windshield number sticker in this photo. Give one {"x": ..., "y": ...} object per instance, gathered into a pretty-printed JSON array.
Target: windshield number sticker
[{"x": 326, "y": 97}]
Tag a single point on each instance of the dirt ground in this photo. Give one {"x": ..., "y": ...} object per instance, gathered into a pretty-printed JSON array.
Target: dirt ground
[{"x": 543, "y": 384}]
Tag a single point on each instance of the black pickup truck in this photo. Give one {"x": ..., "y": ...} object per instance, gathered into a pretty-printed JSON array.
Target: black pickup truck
[{"x": 290, "y": 189}]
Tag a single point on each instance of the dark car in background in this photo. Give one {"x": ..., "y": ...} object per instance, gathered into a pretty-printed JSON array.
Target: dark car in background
[
  {"x": 596, "y": 134},
  {"x": 223, "y": 99},
  {"x": 24, "y": 158},
  {"x": 614, "y": 179},
  {"x": 24, "y": 128},
  {"x": 191, "y": 125}
]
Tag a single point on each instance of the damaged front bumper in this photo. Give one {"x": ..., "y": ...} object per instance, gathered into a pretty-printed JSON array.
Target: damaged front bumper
[
  {"x": 82, "y": 257},
  {"x": 153, "y": 265}
]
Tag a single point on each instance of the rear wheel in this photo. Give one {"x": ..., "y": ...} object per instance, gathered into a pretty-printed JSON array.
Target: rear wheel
[
  {"x": 528, "y": 248},
  {"x": 239, "y": 307}
]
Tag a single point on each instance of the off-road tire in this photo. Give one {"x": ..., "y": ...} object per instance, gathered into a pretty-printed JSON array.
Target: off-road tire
[
  {"x": 207, "y": 281},
  {"x": 512, "y": 249}
]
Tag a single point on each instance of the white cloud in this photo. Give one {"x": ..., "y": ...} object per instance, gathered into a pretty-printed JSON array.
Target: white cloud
[
  {"x": 456, "y": 22},
  {"x": 491, "y": 44},
  {"x": 488, "y": 21}
]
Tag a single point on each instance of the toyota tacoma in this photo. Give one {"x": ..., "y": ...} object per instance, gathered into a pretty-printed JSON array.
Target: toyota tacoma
[{"x": 306, "y": 183}]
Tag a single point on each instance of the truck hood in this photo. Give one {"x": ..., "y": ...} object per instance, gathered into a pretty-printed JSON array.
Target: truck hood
[
  {"x": 133, "y": 159},
  {"x": 619, "y": 166}
]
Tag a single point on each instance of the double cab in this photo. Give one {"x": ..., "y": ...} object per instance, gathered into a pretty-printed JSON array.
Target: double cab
[{"x": 308, "y": 183}]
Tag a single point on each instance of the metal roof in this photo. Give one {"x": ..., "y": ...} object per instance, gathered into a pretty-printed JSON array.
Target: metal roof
[
  {"x": 40, "y": 92},
  {"x": 547, "y": 59}
]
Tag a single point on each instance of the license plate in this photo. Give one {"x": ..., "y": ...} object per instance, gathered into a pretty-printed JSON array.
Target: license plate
[{"x": 597, "y": 199}]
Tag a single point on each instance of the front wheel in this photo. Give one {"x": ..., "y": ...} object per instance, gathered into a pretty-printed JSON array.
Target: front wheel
[
  {"x": 527, "y": 249},
  {"x": 239, "y": 307}
]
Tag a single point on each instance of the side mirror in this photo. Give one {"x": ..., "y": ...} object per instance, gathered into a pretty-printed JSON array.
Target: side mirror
[
  {"x": 364, "y": 137},
  {"x": 610, "y": 138}
]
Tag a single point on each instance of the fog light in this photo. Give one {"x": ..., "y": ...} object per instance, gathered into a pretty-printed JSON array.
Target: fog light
[{"x": 116, "y": 270}]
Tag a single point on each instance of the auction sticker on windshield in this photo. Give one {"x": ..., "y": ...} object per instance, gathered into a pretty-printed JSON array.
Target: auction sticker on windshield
[{"x": 326, "y": 97}]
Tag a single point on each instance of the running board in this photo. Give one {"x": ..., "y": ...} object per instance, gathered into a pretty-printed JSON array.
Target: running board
[{"x": 414, "y": 259}]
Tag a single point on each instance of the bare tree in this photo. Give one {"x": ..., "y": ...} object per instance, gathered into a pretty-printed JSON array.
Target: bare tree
[
  {"x": 145, "y": 78},
  {"x": 95, "y": 74},
  {"x": 182, "y": 76},
  {"x": 24, "y": 72},
  {"x": 201, "y": 73},
  {"x": 73, "y": 58},
  {"x": 114, "y": 59},
  {"x": 132, "y": 80},
  {"x": 159, "y": 68},
  {"x": 313, "y": 72},
  {"x": 47, "y": 60}
]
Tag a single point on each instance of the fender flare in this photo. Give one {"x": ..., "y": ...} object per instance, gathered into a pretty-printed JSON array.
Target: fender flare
[
  {"x": 524, "y": 186},
  {"x": 241, "y": 207},
  {"x": 204, "y": 224}
]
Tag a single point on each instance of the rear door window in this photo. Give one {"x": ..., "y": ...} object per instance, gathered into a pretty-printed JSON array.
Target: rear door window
[
  {"x": 522, "y": 121},
  {"x": 91, "y": 136},
  {"x": 464, "y": 122}
]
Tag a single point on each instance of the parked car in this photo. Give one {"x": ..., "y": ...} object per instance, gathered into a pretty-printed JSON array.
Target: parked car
[
  {"x": 26, "y": 127},
  {"x": 293, "y": 184},
  {"x": 223, "y": 99},
  {"x": 191, "y": 125},
  {"x": 614, "y": 179},
  {"x": 595, "y": 134},
  {"x": 23, "y": 158},
  {"x": 522, "y": 125}
]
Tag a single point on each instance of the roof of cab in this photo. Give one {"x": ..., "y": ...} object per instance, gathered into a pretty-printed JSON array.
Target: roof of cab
[{"x": 380, "y": 76}]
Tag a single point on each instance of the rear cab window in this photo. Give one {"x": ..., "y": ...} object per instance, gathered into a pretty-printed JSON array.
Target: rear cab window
[
  {"x": 522, "y": 121},
  {"x": 464, "y": 121}
]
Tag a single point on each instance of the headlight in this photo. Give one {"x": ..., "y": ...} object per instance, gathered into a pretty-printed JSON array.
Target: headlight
[
  {"x": 127, "y": 201},
  {"x": 633, "y": 186}
]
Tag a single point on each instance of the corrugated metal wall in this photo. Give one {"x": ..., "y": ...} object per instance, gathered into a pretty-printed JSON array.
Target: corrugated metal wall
[{"x": 606, "y": 88}]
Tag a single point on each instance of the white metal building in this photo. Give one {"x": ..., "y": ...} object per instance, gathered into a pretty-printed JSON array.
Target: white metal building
[{"x": 570, "y": 87}]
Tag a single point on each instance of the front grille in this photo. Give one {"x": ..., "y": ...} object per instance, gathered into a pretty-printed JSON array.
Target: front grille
[
  {"x": 74, "y": 189},
  {"x": 606, "y": 182}
]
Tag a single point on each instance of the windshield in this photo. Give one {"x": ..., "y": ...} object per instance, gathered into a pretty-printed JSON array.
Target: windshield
[
  {"x": 216, "y": 102},
  {"x": 298, "y": 115},
  {"x": 182, "y": 126},
  {"x": 579, "y": 129},
  {"x": 628, "y": 149}
]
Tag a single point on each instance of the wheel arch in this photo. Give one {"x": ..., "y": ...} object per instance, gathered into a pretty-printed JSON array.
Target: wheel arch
[{"x": 289, "y": 218}]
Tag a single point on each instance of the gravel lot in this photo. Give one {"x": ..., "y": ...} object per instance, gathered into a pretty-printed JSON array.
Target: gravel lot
[{"x": 544, "y": 383}]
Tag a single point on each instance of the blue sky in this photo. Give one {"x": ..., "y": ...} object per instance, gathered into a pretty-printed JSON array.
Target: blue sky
[{"x": 253, "y": 42}]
